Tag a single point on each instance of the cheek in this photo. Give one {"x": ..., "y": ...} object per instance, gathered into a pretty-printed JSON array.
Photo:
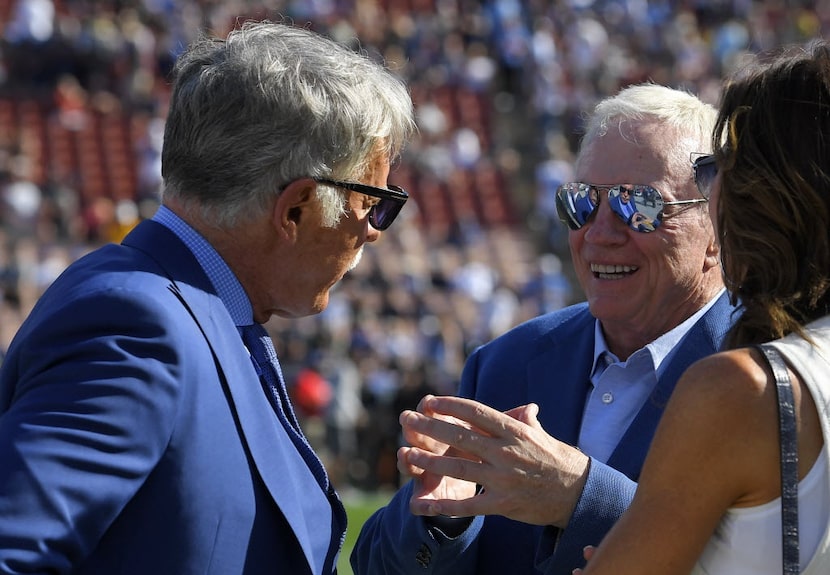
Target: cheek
[
  {"x": 348, "y": 248},
  {"x": 575, "y": 241},
  {"x": 575, "y": 245},
  {"x": 687, "y": 256}
]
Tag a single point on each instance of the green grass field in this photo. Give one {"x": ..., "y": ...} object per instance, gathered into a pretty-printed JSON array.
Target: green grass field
[{"x": 358, "y": 507}]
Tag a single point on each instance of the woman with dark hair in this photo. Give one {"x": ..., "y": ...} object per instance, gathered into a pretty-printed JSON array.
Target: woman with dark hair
[{"x": 709, "y": 497}]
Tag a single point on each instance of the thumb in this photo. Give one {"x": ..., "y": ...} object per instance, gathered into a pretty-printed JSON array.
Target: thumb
[{"x": 528, "y": 414}]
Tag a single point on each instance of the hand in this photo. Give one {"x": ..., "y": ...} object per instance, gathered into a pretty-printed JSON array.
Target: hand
[
  {"x": 429, "y": 487},
  {"x": 526, "y": 474}
]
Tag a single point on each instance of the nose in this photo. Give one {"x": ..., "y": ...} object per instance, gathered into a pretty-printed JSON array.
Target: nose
[{"x": 605, "y": 227}]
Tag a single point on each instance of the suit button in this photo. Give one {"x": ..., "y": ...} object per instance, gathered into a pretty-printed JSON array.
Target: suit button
[{"x": 423, "y": 556}]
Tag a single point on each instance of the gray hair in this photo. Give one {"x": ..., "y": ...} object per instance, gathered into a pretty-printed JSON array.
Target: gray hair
[
  {"x": 268, "y": 105},
  {"x": 693, "y": 119}
]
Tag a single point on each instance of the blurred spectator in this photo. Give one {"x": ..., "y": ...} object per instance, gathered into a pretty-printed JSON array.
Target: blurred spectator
[
  {"x": 499, "y": 86},
  {"x": 32, "y": 22},
  {"x": 21, "y": 197}
]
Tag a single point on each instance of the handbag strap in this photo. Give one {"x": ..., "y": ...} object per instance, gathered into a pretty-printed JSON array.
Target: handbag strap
[{"x": 789, "y": 458}]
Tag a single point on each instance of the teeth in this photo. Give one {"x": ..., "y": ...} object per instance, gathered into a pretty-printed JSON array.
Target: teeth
[{"x": 609, "y": 269}]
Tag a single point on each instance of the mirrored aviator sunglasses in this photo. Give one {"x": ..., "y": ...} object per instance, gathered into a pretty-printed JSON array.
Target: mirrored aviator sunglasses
[
  {"x": 383, "y": 213},
  {"x": 639, "y": 206}
]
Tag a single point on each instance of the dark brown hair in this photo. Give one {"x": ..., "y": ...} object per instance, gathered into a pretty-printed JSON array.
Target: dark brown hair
[{"x": 772, "y": 142}]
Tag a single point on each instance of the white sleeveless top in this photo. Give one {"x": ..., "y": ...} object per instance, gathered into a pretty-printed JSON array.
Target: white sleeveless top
[{"x": 748, "y": 539}]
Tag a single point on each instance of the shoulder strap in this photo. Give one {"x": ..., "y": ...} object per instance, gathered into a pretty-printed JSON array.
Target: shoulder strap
[{"x": 789, "y": 458}]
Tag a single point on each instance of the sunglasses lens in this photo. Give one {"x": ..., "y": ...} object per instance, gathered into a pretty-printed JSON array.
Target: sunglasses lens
[
  {"x": 575, "y": 202},
  {"x": 384, "y": 213},
  {"x": 706, "y": 170},
  {"x": 640, "y": 207}
]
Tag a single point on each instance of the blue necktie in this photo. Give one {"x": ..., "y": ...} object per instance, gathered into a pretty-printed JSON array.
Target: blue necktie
[{"x": 264, "y": 358}]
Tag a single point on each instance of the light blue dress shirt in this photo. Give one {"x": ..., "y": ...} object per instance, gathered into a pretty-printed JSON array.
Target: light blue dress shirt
[{"x": 620, "y": 388}]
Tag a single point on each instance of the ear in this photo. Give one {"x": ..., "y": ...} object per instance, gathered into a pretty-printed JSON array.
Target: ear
[
  {"x": 712, "y": 258},
  {"x": 293, "y": 207}
]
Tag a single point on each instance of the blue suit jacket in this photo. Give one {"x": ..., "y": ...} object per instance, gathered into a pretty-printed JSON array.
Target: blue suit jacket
[
  {"x": 547, "y": 361},
  {"x": 135, "y": 436}
]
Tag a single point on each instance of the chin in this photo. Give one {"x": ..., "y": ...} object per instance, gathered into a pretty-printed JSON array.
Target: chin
[
  {"x": 321, "y": 302},
  {"x": 308, "y": 308}
]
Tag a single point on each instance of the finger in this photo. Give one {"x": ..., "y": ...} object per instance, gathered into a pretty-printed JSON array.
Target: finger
[
  {"x": 404, "y": 466},
  {"x": 413, "y": 425},
  {"x": 457, "y": 467},
  {"x": 466, "y": 442},
  {"x": 417, "y": 439},
  {"x": 427, "y": 507},
  {"x": 423, "y": 405},
  {"x": 433, "y": 415},
  {"x": 407, "y": 463},
  {"x": 478, "y": 415},
  {"x": 588, "y": 552},
  {"x": 458, "y": 507},
  {"x": 424, "y": 506},
  {"x": 426, "y": 412},
  {"x": 425, "y": 408}
]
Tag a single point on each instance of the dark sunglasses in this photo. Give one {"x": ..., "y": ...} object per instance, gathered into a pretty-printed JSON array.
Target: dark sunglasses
[
  {"x": 383, "y": 213},
  {"x": 706, "y": 170},
  {"x": 638, "y": 205}
]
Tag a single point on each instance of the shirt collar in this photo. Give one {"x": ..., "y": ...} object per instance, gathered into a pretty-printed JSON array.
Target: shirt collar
[
  {"x": 658, "y": 350},
  {"x": 227, "y": 286}
]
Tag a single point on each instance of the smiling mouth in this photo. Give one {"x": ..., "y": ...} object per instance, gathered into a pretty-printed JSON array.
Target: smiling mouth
[{"x": 609, "y": 272}]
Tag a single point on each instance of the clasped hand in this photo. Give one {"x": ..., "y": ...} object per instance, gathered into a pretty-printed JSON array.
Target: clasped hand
[{"x": 523, "y": 473}]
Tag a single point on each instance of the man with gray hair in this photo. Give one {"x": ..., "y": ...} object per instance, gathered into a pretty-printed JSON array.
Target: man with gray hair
[
  {"x": 144, "y": 421},
  {"x": 541, "y": 453}
]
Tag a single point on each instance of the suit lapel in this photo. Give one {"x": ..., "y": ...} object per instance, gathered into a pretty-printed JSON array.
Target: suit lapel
[
  {"x": 280, "y": 465},
  {"x": 703, "y": 339},
  {"x": 558, "y": 378},
  {"x": 282, "y": 469}
]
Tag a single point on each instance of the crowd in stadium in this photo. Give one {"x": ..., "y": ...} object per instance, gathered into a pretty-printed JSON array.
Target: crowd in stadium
[{"x": 500, "y": 87}]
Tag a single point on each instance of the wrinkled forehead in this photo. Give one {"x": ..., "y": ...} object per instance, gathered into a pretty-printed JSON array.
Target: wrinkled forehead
[{"x": 646, "y": 152}]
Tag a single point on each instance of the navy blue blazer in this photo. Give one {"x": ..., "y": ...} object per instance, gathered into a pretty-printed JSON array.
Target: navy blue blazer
[
  {"x": 136, "y": 438},
  {"x": 546, "y": 360}
]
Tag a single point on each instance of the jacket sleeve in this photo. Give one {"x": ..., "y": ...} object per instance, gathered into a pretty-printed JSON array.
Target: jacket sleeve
[
  {"x": 89, "y": 399},
  {"x": 607, "y": 494},
  {"x": 394, "y": 541}
]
